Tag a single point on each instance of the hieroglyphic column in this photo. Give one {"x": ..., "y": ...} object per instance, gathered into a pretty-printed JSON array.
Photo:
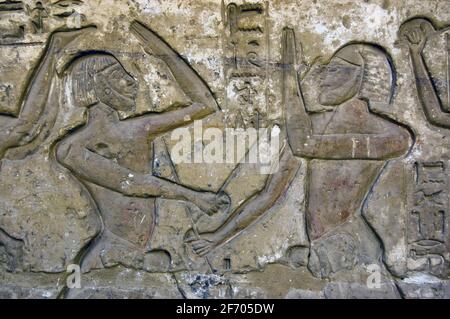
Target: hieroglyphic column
[
  {"x": 428, "y": 234},
  {"x": 246, "y": 56}
]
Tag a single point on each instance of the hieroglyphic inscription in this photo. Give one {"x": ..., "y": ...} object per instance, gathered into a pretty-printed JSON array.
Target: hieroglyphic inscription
[
  {"x": 89, "y": 177},
  {"x": 12, "y": 27},
  {"x": 246, "y": 56},
  {"x": 38, "y": 15},
  {"x": 5, "y": 95},
  {"x": 428, "y": 236},
  {"x": 24, "y": 26}
]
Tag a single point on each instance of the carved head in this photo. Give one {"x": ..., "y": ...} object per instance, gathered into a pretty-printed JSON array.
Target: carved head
[
  {"x": 100, "y": 77},
  {"x": 361, "y": 70},
  {"x": 339, "y": 81}
]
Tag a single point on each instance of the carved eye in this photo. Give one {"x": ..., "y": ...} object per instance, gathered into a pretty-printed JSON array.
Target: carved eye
[{"x": 101, "y": 146}]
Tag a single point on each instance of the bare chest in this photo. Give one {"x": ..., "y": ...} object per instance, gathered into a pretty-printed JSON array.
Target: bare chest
[{"x": 115, "y": 141}]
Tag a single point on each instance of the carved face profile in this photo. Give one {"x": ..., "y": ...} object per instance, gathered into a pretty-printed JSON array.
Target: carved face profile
[
  {"x": 361, "y": 70},
  {"x": 116, "y": 88},
  {"x": 340, "y": 81},
  {"x": 101, "y": 78}
]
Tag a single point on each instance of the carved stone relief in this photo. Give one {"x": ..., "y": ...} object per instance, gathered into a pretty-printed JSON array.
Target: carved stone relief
[{"x": 224, "y": 149}]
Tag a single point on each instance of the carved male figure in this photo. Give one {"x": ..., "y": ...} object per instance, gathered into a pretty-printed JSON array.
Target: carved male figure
[
  {"x": 112, "y": 157},
  {"x": 346, "y": 149},
  {"x": 29, "y": 174}
]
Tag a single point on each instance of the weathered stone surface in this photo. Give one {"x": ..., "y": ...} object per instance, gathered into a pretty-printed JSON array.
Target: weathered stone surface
[
  {"x": 423, "y": 286},
  {"x": 224, "y": 149}
]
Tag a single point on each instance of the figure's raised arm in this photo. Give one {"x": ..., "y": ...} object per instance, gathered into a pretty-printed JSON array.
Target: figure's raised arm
[
  {"x": 415, "y": 33},
  {"x": 304, "y": 142},
  {"x": 39, "y": 84},
  {"x": 21, "y": 130},
  {"x": 298, "y": 123},
  {"x": 190, "y": 82}
]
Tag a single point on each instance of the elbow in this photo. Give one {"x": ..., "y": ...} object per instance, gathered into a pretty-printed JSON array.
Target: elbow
[
  {"x": 302, "y": 149},
  {"x": 66, "y": 154},
  {"x": 302, "y": 144},
  {"x": 399, "y": 145},
  {"x": 302, "y": 153},
  {"x": 208, "y": 103},
  {"x": 211, "y": 108},
  {"x": 62, "y": 151},
  {"x": 405, "y": 141},
  {"x": 203, "y": 110}
]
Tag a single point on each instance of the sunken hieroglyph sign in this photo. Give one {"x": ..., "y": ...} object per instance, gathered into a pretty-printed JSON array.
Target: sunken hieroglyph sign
[{"x": 224, "y": 149}]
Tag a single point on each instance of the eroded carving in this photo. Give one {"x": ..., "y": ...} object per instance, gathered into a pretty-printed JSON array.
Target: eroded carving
[
  {"x": 88, "y": 176},
  {"x": 14, "y": 29},
  {"x": 416, "y": 32},
  {"x": 112, "y": 156},
  {"x": 38, "y": 15},
  {"x": 246, "y": 62},
  {"x": 346, "y": 149},
  {"x": 11, "y": 251},
  {"x": 428, "y": 222},
  {"x": 30, "y": 173}
]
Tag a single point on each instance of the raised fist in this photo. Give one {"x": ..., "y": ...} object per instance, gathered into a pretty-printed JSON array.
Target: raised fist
[{"x": 415, "y": 33}]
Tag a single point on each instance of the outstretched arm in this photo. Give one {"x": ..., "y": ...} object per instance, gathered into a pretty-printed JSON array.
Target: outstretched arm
[
  {"x": 22, "y": 130},
  {"x": 428, "y": 97},
  {"x": 14, "y": 133},
  {"x": 102, "y": 171},
  {"x": 253, "y": 209},
  {"x": 154, "y": 124},
  {"x": 189, "y": 81},
  {"x": 305, "y": 143}
]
